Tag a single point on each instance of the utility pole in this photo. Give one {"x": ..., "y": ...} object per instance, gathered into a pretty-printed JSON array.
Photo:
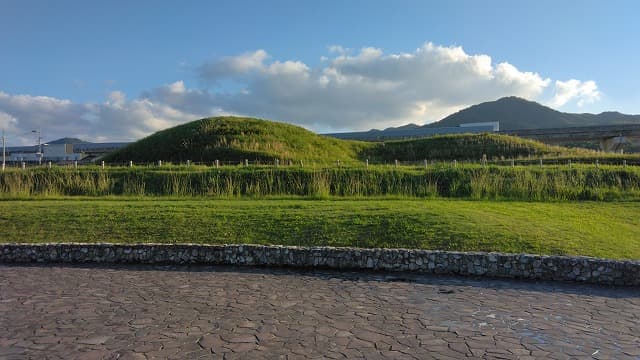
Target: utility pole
[
  {"x": 3, "y": 151},
  {"x": 39, "y": 153}
]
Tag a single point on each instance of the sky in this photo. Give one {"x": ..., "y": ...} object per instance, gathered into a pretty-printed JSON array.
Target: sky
[{"x": 121, "y": 70}]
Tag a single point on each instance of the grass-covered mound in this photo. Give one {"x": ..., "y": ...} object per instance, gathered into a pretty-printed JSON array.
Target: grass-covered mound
[
  {"x": 234, "y": 139},
  {"x": 467, "y": 147},
  {"x": 231, "y": 138}
]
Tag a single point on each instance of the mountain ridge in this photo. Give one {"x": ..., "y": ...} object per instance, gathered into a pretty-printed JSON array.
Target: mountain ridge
[{"x": 514, "y": 113}]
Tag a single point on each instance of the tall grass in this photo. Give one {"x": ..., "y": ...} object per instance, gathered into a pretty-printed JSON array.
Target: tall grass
[{"x": 475, "y": 182}]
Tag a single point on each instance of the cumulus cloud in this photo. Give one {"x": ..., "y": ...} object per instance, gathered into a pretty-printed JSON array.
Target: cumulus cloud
[
  {"x": 177, "y": 96},
  {"x": 347, "y": 90},
  {"x": 337, "y": 49},
  {"x": 8, "y": 122},
  {"x": 582, "y": 92},
  {"x": 117, "y": 119},
  {"x": 230, "y": 66},
  {"x": 367, "y": 88}
]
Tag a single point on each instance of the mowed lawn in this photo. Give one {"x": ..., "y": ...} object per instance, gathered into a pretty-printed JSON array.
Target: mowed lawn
[{"x": 601, "y": 229}]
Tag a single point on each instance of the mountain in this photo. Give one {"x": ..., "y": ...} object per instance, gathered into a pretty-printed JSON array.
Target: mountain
[
  {"x": 68, "y": 141},
  {"x": 515, "y": 113}
]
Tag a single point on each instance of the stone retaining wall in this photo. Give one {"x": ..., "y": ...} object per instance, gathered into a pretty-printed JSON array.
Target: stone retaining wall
[{"x": 562, "y": 268}]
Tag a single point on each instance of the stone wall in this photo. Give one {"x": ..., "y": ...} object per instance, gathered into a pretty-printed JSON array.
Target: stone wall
[{"x": 562, "y": 268}]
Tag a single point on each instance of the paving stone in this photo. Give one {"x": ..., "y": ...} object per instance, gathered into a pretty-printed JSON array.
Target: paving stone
[
  {"x": 632, "y": 351},
  {"x": 342, "y": 333},
  {"x": 461, "y": 348},
  {"x": 232, "y": 338},
  {"x": 46, "y": 340},
  {"x": 90, "y": 312},
  {"x": 241, "y": 347},
  {"x": 211, "y": 341},
  {"x": 356, "y": 343},
  {"x": 130, "y": 355},
  {"x": 95, "y": 355},
  {"x": 96, "y": 340}
]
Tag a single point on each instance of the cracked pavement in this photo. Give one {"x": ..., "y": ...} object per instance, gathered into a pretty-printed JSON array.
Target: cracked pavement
[{"x": 153, "y": 312}]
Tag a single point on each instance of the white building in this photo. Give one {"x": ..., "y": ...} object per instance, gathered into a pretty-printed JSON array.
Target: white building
[
  {"x": 62, "y": 150},
  {"x": 50, "y": 152},
  {"x": 493, "y": 124}
]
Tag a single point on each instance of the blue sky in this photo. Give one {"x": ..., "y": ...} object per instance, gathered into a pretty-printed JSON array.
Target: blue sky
[{"x": 119, "y": 70}]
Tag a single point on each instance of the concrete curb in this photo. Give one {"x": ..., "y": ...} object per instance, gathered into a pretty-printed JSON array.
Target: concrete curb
[{"x": 523, "y": 266}]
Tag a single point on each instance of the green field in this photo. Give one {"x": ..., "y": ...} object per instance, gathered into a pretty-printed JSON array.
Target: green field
[
  {"x": 610, "y": 230},
  {"x": 281, "y": 184}
]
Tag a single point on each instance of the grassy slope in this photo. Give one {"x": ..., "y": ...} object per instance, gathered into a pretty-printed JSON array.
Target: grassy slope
[
  {"x": 236, "y": 139},
  {"x": 610, "y": 230},
  {"x": 466, "y": 147}
]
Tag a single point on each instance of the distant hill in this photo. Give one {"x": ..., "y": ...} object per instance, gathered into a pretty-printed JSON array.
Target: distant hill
[
  {"x": 68, "y": 141},
  {"x": 515, "y": 113}
]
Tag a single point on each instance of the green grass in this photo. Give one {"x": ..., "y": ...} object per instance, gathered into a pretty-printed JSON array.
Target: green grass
[
  {"x": 549, "y": 183},
  {"x": 462, "y": 147},
  {"x": 236, "y": 139},
  {"x": 609, "y": 230},
  {"x": 346, "y": 205}
]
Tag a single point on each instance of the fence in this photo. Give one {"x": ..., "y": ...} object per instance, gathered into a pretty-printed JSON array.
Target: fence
[{"x": 314, "y": 164}]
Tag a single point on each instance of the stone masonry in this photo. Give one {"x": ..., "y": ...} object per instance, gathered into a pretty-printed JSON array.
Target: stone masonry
[{"x": 523, "y": 266}]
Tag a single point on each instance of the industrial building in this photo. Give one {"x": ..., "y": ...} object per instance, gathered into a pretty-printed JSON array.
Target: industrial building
[
  {"x": 415, "y": 131},
  {"x": 61, "y": 151}
]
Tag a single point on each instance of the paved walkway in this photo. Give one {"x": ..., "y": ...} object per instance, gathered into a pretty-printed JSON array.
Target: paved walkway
[{"x": 220, "y": 312}]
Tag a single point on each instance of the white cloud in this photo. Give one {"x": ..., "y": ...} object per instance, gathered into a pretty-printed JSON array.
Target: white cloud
[
  {"x": 531, "y": 83},
  {"x": 177, "y": 96},
  {"x": 117, "y": 119},
  {"x": 582, "y": 92},
  {"x": 177, "y": 87},
  {"x": 134, "y": 119},
  {"x": 230, "y": 66},
  {"x": 117, "y": 99},
  {"x": 337, "y": 49},
  {"x": 347, "y": 90},
  {"x": 369, "y": 88},
  {"x": 8, "y": 122}
]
